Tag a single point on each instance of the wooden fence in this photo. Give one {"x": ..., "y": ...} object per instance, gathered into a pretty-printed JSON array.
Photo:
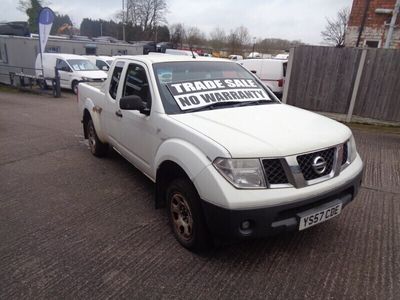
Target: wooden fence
[{"x": 346, "y": 81}]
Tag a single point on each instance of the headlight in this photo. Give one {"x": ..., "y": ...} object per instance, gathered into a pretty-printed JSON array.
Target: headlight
[
  {"x": 352, "y": 149},
  {"x": 241, "y": 173}
]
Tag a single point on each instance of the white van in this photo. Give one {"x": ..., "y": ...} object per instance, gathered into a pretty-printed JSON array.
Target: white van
[
  {"x": 272, "y": 72},
  {"x": 71, "y": 68},
  {"x": 235, "y": 57},
  {"x": 103, "y": 62},
  {"x": 282, "y": 56}
]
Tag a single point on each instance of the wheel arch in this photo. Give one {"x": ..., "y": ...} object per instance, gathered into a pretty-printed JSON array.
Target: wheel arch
[
  {"x": 85, "y": 121},
  {"x": 178, "y": 157},
  {"x": 92, "y": 112},
  {"x": 166, "y": 173}
]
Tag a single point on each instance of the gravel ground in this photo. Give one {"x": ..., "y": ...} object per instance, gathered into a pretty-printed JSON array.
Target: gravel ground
[{"x": 74, "y": 226}]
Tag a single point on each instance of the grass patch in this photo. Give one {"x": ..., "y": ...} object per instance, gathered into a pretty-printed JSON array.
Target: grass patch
[
  {"x": 375, "y": 128},
  {"x": 7, "y": 89}
]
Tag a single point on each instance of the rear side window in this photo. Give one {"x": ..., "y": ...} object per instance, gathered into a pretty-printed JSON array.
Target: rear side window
[
  {"x": 116, "y": 76},
  {"x": 284, "y": 69}
]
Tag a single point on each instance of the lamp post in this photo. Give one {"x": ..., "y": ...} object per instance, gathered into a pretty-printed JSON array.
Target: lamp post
[
  {"x": 123, "y": 20},
  {"x": 254, "y": 44}
]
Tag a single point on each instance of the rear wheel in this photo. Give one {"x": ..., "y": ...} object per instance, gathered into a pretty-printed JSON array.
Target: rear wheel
[
  {"x": 186, "y": 216},
  {"x": 97, "y": 147}
]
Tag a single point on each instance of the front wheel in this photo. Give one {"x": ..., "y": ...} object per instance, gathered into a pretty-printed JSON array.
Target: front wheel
[
  {"x": 186, "y": 216},
  {"x": 74, "y": 87},
  {"x": 97, "y": 147}
]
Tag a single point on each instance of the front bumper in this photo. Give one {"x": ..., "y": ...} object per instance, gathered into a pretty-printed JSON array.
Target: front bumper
[{"x": 274, "y": 219}]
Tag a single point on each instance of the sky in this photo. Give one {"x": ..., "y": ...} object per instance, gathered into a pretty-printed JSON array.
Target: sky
[{"x": 287, "y": 19}]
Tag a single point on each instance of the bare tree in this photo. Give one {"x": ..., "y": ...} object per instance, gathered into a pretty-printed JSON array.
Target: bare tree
[
  {"x": 217, "y": 38},
  {"x": 243, "y": 35},
  {"x": 335, "y": 30},
  {"x": 147, "y": 14},
  {"x": 194, "y": 36},
  {"x": 238, "y": 39},
  {"x": 178, "y": 34}
]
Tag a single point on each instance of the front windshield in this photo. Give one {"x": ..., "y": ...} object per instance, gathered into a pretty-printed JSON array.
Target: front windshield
[
  {"x": 109, "y": 62},
  {"x": 195, "y": 86},
  {"x": 82, "y": 65}
]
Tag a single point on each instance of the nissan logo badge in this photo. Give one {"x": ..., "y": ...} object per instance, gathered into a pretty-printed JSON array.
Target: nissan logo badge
[{"x": 319, "y": 165}]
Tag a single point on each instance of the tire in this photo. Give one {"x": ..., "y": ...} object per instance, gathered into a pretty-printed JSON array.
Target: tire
[
  {"x": 97, "y": 147},
  {"x": 74, "y": 87},
  {"x": 186, "y": 216},
  {"x": 43, "y": 84}
]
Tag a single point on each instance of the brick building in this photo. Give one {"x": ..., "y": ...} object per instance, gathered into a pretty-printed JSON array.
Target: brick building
[{"x": 369, "y": 24}]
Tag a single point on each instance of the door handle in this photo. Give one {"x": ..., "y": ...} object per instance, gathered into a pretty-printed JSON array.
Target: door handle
[{"x": 118, "y": 113}]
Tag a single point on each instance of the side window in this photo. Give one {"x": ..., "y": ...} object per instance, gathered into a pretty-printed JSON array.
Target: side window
[
  {"x": 52, "y": 49},
  {"x": 136, "y": 83},
  {"x": 101, "y": 64},
  {"x": 63, "y": 66},
  {"x": 116, "y": 75}
]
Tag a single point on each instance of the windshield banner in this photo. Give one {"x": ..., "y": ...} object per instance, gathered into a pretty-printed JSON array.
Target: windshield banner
[{"x": 199, "y": 93}]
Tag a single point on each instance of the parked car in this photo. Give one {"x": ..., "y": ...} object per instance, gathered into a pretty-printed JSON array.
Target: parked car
[
  {"x": 102, "y": 62},
  {"x": 228, "y": 159},
  {"x": 72, "y": 69},
  {"x": 272, "y": 72},
  {"x": 235, "y": 57}
]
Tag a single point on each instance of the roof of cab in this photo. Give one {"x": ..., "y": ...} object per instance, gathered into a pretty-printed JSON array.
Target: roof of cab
[{"x": 160, "y": 58}]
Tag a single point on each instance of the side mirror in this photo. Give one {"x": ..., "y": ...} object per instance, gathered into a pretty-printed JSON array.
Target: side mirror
[
  {"x": 134, "y": 102},
  {"x": 105, "y": 68}
]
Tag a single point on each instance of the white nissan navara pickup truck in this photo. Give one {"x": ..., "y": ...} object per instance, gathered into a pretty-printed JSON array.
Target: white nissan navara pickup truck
[{"x": 228, "y": 159}]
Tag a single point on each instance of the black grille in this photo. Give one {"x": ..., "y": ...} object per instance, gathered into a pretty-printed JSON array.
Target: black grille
[
  {"x": 345, "y": 154},
  {"x": 274, "y": 171},
  {"x": 305, "y": 162}
]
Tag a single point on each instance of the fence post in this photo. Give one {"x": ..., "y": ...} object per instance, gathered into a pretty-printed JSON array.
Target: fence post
[
  {"x": 356, "y": 85},
  {"x": 288, "y": 72}
]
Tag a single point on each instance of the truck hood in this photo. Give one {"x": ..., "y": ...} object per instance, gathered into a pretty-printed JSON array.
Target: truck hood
[
  {"x": 92, "y": 74},
  {"x": 266, "y": 130}
]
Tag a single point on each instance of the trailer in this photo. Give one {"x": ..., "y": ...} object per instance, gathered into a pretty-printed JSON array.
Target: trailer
[{"x": 18, "y": 53}]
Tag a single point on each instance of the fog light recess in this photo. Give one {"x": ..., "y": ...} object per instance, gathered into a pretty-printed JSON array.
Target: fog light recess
[{"x": 246, "y": 227}]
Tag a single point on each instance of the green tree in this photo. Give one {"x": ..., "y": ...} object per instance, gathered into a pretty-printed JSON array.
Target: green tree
[
  {"x": 163, "y": 34},
  {"x": 32, "y": 9}
]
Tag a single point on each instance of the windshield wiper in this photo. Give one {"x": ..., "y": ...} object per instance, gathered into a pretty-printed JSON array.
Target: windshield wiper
[
  {"x": 255, "y": 102},
  {"x": 214, "y": 105}
]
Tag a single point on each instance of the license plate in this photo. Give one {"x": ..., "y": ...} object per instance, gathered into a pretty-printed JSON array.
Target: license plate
[{"x": 319, "y": 216}]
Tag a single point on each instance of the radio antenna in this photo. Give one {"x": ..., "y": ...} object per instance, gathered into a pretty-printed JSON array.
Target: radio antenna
[{"x": 193, "y": 56}]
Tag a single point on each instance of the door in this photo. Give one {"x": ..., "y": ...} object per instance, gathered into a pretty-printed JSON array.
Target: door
[
  {"x": 138, "y": 135},
  {"x": 65, "y": 72},
  {"x": 112, "y": 113}
]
